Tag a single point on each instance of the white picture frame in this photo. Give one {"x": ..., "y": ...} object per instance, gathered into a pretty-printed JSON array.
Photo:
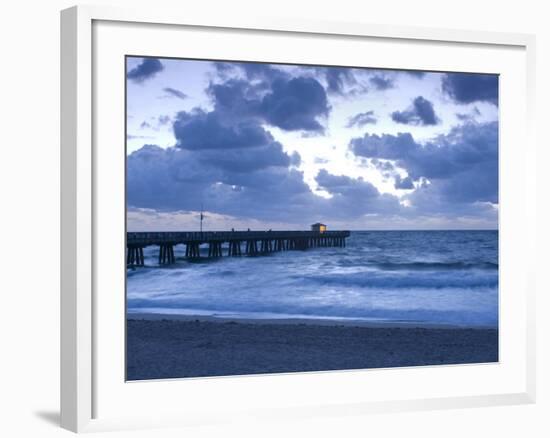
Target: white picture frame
[{"x": 82, "y": 317}]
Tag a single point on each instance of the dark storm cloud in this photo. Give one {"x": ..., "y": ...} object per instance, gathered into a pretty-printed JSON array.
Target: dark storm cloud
[
  {"x": 261, "y": 71},
  {"x": 415, "y": 73},
  {"x": 155, "y": 123},
  {"x": 464, "y": 117},
  {"x": 240, "y": 146},
  {"x": 174, "y": 92},
  {"x": 245, "y": 183},
  {"x": 201, "y": 130},
  {"x": 148, "y": 68},
  {"x": 403, "y": 183},
  {"x": 353, "y": 197},
  {"x": 251, "y": 70},
  {"x": 236, "y": 98},
  {"x": 461, "y": 166},
  {"x": 345, "y": 185},
  {"x": 296, "y": 104},
  {"x": 362, "y": 119},
  {"x": 421, "y": 112},
  {"x": 468, "y": 117},
  {"x": 349, "y": 81},
  {"x": 386, "y": 167},
  {"x": 238, "y": 160},
  {"x": 223, "y": 68},
  {"x": 241, "y": 183},
  {"x": 386, "y": 146},
  {"x": 293, "y": 104},
  {"x": 176, "y": 179},
  {"x": 165, "y": 179},
  {"x": 381, "y": 82},
  {"x": 227, "y": 158},
  {"x": 469, "y": 87},
  {"x": 338, "y": 78}
]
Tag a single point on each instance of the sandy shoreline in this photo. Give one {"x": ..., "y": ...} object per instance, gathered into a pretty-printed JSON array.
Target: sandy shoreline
[{"x": 172, "y": 346}]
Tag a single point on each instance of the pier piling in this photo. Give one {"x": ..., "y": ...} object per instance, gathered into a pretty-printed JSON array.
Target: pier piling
[{"x": 256, "y": 243}]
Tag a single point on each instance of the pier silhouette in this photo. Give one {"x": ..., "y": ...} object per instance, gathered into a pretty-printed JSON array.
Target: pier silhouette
[{"x": 238, "y": 243}]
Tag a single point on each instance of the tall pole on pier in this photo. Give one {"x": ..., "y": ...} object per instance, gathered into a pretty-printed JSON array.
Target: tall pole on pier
[{"x": 201, "y": 217}]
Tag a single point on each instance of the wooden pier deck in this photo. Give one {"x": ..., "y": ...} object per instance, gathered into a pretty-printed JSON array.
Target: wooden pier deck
[{"x": 237, "y": 243}]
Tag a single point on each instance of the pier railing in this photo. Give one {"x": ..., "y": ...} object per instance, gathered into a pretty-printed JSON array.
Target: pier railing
[
  {"x": 256, "y": 243},
  {"x": 156, "y": 238}
]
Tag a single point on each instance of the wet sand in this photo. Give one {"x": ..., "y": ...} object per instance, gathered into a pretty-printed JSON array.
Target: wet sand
[{"x": 161, "y": 346}]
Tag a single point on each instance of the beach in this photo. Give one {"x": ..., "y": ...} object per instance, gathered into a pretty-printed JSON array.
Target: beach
[
  {"x": 177, "y": 346},
  {"x": 387, "y": 299}
]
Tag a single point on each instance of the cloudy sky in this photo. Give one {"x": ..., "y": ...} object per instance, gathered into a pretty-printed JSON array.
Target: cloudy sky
[{"x": 265, "y": 146}]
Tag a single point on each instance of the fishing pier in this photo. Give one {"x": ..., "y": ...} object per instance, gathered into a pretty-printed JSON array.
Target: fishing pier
[{"x": 227, "y": 243}]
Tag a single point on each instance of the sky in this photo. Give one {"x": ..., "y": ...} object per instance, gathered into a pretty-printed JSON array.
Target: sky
[{"x": 279, "y": 146}]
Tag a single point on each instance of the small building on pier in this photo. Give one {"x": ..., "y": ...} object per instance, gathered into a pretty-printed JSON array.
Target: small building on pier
[{"x": 319, "y": 227}]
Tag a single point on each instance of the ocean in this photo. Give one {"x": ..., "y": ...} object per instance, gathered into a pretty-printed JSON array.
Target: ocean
[{"x": 427, "y": 277}]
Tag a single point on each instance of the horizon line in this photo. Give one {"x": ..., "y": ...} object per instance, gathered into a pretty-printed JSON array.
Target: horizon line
[{"x": 336, "y": 229}]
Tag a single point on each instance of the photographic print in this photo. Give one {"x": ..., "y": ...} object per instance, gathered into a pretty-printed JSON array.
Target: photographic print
[{"x": 294, "y": 218}]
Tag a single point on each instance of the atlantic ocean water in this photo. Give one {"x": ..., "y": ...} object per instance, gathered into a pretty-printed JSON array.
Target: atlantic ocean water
[{"x": 417, "y": 277}]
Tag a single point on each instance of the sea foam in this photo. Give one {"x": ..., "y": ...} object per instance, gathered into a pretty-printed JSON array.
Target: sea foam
[{"x": 436, "y": 277}]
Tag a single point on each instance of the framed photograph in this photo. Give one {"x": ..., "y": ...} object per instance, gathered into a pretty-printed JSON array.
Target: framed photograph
[{"x": 289, "y": 218}]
